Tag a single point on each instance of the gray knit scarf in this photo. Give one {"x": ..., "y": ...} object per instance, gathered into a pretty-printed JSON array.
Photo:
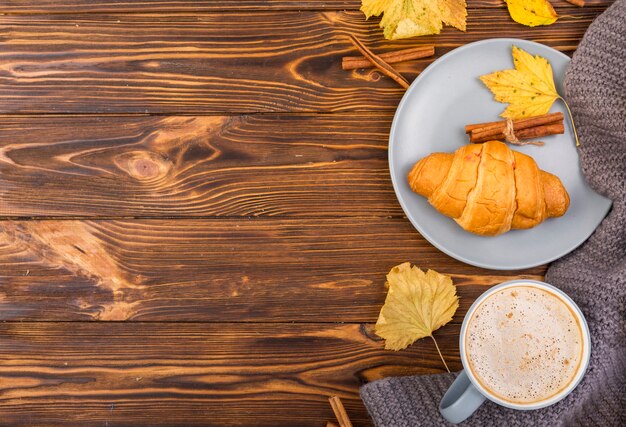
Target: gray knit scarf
[{"x": 594, "y": 275}]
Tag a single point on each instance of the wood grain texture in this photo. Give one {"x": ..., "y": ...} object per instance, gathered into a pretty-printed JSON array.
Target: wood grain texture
[
  {"x": 208, "y": 255},
  {"x": 258, "y": 165},
  {"x": 128, "y": 374},
  {"x": 317, "y": 270},
  {"x": 163, "y": 6},
  {"x": 216, "y": 63}
]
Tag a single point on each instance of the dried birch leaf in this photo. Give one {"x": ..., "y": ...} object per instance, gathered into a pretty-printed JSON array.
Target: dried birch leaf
[{"x": 417, "y": 304}]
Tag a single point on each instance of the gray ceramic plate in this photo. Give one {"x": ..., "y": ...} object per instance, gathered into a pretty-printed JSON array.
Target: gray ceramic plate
[{"x": 431, "y": 117}]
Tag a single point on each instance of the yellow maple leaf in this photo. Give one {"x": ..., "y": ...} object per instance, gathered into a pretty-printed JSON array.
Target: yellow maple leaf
[
  {"x": 417, "y": 304},
  {"x": 532, "y": 12},
  {"x": 410, "y": 18},
  {"x": 528, "y": 89}
]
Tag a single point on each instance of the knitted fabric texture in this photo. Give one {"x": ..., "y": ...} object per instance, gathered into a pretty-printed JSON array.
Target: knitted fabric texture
[{"x": 594, "y": 275}]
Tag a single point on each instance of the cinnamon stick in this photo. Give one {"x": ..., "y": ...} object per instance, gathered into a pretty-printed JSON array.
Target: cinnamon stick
[
  {"x": 354, "y": 62},
  {"x": 579, "y": 3},
  {"x": 340, "y": 411},
  {"x": 496, "y": 130},
  {"x": 385, "y": 68},
  {"x": 470, "y": 128},
  {"x": 541, "y": 131},
  {"x": 516, "y": 123},
  {"x": 532, "y": 133}
]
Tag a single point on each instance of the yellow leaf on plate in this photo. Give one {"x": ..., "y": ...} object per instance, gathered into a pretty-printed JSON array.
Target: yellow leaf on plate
[
  {"x": 410, "y": 18},
  {"x": 532, "y": 12},
  {"x": 528, "y": 89},
  {"x": 417, "y": 304}
]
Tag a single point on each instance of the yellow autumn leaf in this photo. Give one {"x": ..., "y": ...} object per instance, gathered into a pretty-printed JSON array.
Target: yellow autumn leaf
[
  {"x": 454, "y": 13},
  {"x": 409, "y": 18},
  {"x": 532, "y": 12},
  {"x": 417, "y": 304},
  {"x": 528, "y": 89}
]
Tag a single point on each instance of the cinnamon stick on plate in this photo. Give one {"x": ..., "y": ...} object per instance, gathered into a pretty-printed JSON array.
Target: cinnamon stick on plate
[
  {"x": 517, "y": 123},
  {"x": 470, "y": 128},
  {"x": 354, "y": 62},
  {"x": 540, "y": 131},
  {"x": 496, "y": 131},
  {"x": 526, "y": 128}
]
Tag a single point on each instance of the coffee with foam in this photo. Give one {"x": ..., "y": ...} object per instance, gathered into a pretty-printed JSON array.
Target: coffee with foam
[{"x": 524, "y": 344}]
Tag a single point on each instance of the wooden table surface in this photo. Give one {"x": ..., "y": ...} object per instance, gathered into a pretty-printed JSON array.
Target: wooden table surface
[{"x": 197, "y": 214}]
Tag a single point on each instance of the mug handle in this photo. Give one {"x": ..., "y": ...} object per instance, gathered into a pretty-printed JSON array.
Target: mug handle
[{"x": 461, "y": 400}]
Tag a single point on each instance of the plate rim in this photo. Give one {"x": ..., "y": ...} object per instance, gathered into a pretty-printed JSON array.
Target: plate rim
[{"x": 394, "y": 125}]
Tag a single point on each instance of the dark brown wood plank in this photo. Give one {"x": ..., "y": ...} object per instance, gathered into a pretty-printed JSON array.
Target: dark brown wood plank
[
  {"x": 269, "y": 270},
  {"x": 107, "y": 6},
  {"x": 259, "y": 165},
  {"x": 227, "y": 62},
  {"x": 123, "y": 374}
]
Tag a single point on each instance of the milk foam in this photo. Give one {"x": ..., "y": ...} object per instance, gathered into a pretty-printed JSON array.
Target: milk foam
[{"x": 524, "y": 344}]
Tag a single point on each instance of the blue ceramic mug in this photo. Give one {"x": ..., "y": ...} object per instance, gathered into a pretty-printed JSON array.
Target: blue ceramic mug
[{"x": 467, "y": 393}]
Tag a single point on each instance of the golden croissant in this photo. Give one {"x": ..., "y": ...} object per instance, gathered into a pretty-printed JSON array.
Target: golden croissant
[{"x": 489, "y": 189}]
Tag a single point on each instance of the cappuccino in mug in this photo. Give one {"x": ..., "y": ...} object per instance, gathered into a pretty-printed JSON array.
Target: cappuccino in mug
[{"x": 524, "y": 344}]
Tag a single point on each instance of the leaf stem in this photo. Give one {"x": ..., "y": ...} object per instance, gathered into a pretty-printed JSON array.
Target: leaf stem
[
  {"x": 571, "y": 119},
  {"x": 440, "y": 355}
]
